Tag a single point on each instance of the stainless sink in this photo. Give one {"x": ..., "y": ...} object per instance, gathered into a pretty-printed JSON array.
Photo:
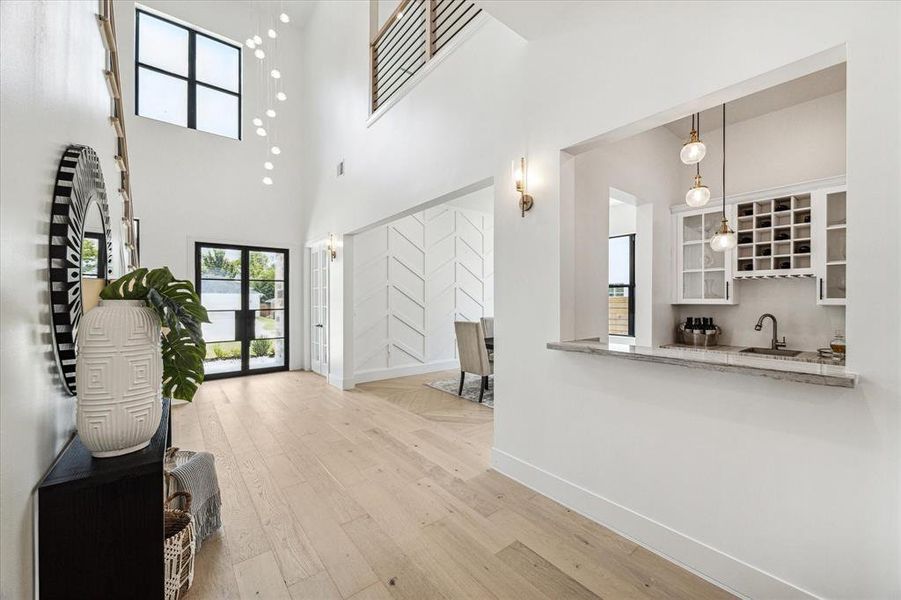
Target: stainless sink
[{"x": 770, "y": 352}]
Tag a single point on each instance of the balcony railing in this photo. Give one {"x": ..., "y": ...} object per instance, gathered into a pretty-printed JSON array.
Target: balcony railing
[{"x": 409, "y": 38}]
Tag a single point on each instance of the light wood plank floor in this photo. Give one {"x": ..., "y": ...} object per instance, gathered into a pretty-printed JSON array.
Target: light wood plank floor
[{"x": 385, "y": 493}]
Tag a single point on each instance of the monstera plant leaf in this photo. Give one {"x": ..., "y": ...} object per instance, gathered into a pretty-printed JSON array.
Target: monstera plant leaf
[
  {"x": 178, "y": 306},
  {"x": 182, "y": 365}
]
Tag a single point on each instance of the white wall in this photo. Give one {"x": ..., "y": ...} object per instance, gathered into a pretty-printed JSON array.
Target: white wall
[
  {"x": 799, "y": 143},
  {"x": 769, "y": 487},
  {"x": 193, "y": 186},
  {"x": 385, "y": 8},
  {"x": 413, "y": 278},
  {"x": 53, "y": 94},
  {"x": 622, "y": 219},
  {"x": 643, "y": 167}
]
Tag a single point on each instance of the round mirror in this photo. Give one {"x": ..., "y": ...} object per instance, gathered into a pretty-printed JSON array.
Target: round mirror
[{"x": 80, "y": 257}]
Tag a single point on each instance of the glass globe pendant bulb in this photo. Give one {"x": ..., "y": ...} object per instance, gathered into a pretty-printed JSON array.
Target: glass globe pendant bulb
[
  {"x": 281, "y": 96},
  {"x": 261, "y": 132},
  {"x": 284, "y": 18},
  {"x": 250, "y": 43},
  {"x": 272, "y": 34},
  {"x": 276, "y": 74},
  {"x": 694, "y": 150},
  {"x": 275, "y": 150},
  {"x": 257, "y": 122},
  {"x": 258, "y": 40},
  {"x": 267, "y": 180},
  {"x": 268, "y": 166},
  {"x": 699, "y": 195},
  {"x": 724, "y": 239},
  {"x": 259, "y": 53},
  {"x": 270, "y": 113}
]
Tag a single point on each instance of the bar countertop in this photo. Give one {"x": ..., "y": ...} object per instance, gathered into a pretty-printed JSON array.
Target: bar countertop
[{"x": 807, "y": 367}]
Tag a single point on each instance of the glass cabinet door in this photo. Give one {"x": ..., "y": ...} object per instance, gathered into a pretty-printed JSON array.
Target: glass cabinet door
[
  {"x": 704, "y": 273},
  {"x": 832, "y": 228}
]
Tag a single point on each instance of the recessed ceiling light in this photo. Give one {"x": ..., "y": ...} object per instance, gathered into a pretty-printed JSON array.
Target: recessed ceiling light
[
  {"x": 257, "y": 122},
  {"x": 276, "y": 74},
  {"x": 271, "y": 33},
  {"x": 267, "y": 180},
  {"x": 257, "y": 39},
  {"x": 259, "y": 53},
  {"x": 284, "y": 18},
  {"x": 268, "y": 166},
  {"x": 261, "y": 132},
  {"x": 270, "y": 113},
  {"x": 275, "y": 150},
  {"x": 281, "y": 96}
]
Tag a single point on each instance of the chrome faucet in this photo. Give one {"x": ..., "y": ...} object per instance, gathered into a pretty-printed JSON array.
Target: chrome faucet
[{"x": 775, "y": 344}]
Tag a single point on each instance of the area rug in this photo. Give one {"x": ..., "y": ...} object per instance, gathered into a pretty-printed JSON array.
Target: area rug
[{"x": 470, "y": 389}]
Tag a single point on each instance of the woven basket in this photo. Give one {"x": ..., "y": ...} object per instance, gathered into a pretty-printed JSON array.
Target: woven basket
[
  {"x": 178, "y": 549},
  {"x": 175, "y": 458}
]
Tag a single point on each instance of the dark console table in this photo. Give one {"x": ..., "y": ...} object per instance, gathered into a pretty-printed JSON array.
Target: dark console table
[{"x": 100, "y": 522}]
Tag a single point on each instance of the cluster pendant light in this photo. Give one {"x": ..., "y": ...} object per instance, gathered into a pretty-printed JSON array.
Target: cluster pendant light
[
  {"x": 270, "y": 81},
  {"x": 691, "y": 154},
  {"x": 699, "y": 194},
  {"x": 724, "y": 238},
  {"x": 694, "y": 149}
]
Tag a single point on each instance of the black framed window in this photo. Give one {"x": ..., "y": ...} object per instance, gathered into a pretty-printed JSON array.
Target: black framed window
[
  {"x": 186, "y": 77},
  {"x": 621, "y": 285},
  {"x": 93, "y": 255}
]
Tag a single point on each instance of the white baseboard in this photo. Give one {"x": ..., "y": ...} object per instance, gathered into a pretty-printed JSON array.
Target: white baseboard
[
  {"x": 379, "y": 374},
  {"x": 339, "y": 382},
  {"x": 715, "y": 566}
]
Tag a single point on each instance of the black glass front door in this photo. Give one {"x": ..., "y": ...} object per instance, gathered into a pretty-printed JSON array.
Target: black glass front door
[{"x": 245, "y": 290}]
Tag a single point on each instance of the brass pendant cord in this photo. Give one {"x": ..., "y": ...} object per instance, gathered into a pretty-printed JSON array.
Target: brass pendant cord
[
  {"x": 696, "y": 126},
  {"x": 724, "y": 161}
]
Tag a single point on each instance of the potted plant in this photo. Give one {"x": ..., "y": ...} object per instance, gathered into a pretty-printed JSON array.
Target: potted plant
[{"x": 143, "y": 339}]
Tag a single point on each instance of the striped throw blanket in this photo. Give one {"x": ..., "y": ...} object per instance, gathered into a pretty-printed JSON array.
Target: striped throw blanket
[{"x": 195, "y": 472}]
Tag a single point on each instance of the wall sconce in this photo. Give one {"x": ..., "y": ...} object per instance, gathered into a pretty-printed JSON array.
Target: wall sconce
[
  {"x": 519, "y": 177},
  {"x": 332, "y": 247}
]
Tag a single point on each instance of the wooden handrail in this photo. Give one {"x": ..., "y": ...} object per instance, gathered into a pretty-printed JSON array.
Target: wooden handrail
[
  {"x": 399, "y": 49},
  {"x": 391, "y": 19},
  {"x": 107, "y": 24}
]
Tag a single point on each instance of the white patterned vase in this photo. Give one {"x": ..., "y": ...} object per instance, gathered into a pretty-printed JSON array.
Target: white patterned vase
[{"x": 118, "y": 377}]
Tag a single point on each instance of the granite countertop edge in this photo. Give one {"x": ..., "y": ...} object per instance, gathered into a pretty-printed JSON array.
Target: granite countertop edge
[{"x": 719, "y": 360}]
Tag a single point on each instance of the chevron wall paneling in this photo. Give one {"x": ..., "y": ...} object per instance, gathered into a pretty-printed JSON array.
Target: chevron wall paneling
[{"x": 412, "y": 279}]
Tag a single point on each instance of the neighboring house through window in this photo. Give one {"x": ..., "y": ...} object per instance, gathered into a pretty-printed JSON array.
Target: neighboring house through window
[
  {"x": 186, "y": 77},
  {"x": 621, "y": 285}
]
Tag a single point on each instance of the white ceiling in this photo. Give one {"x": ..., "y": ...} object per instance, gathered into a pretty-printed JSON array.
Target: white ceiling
[{"x": 818, "y": 84}]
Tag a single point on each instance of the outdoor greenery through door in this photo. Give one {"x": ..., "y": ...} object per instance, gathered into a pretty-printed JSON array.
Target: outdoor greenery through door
[{"x": 245, "y": 289}]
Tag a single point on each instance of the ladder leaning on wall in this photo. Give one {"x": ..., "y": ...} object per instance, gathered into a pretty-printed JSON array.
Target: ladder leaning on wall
[{"x": 107, "y": 22}]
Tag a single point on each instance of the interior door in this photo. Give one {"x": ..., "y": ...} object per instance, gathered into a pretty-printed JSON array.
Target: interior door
[
  {"x": 319, "y": 300},
  {"x": 245, "y": 291}
]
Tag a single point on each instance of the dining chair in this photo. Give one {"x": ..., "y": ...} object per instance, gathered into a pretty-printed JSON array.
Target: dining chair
[
  {"x": 473, "y": 354},
  {"x": 488, "y": 326}
]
